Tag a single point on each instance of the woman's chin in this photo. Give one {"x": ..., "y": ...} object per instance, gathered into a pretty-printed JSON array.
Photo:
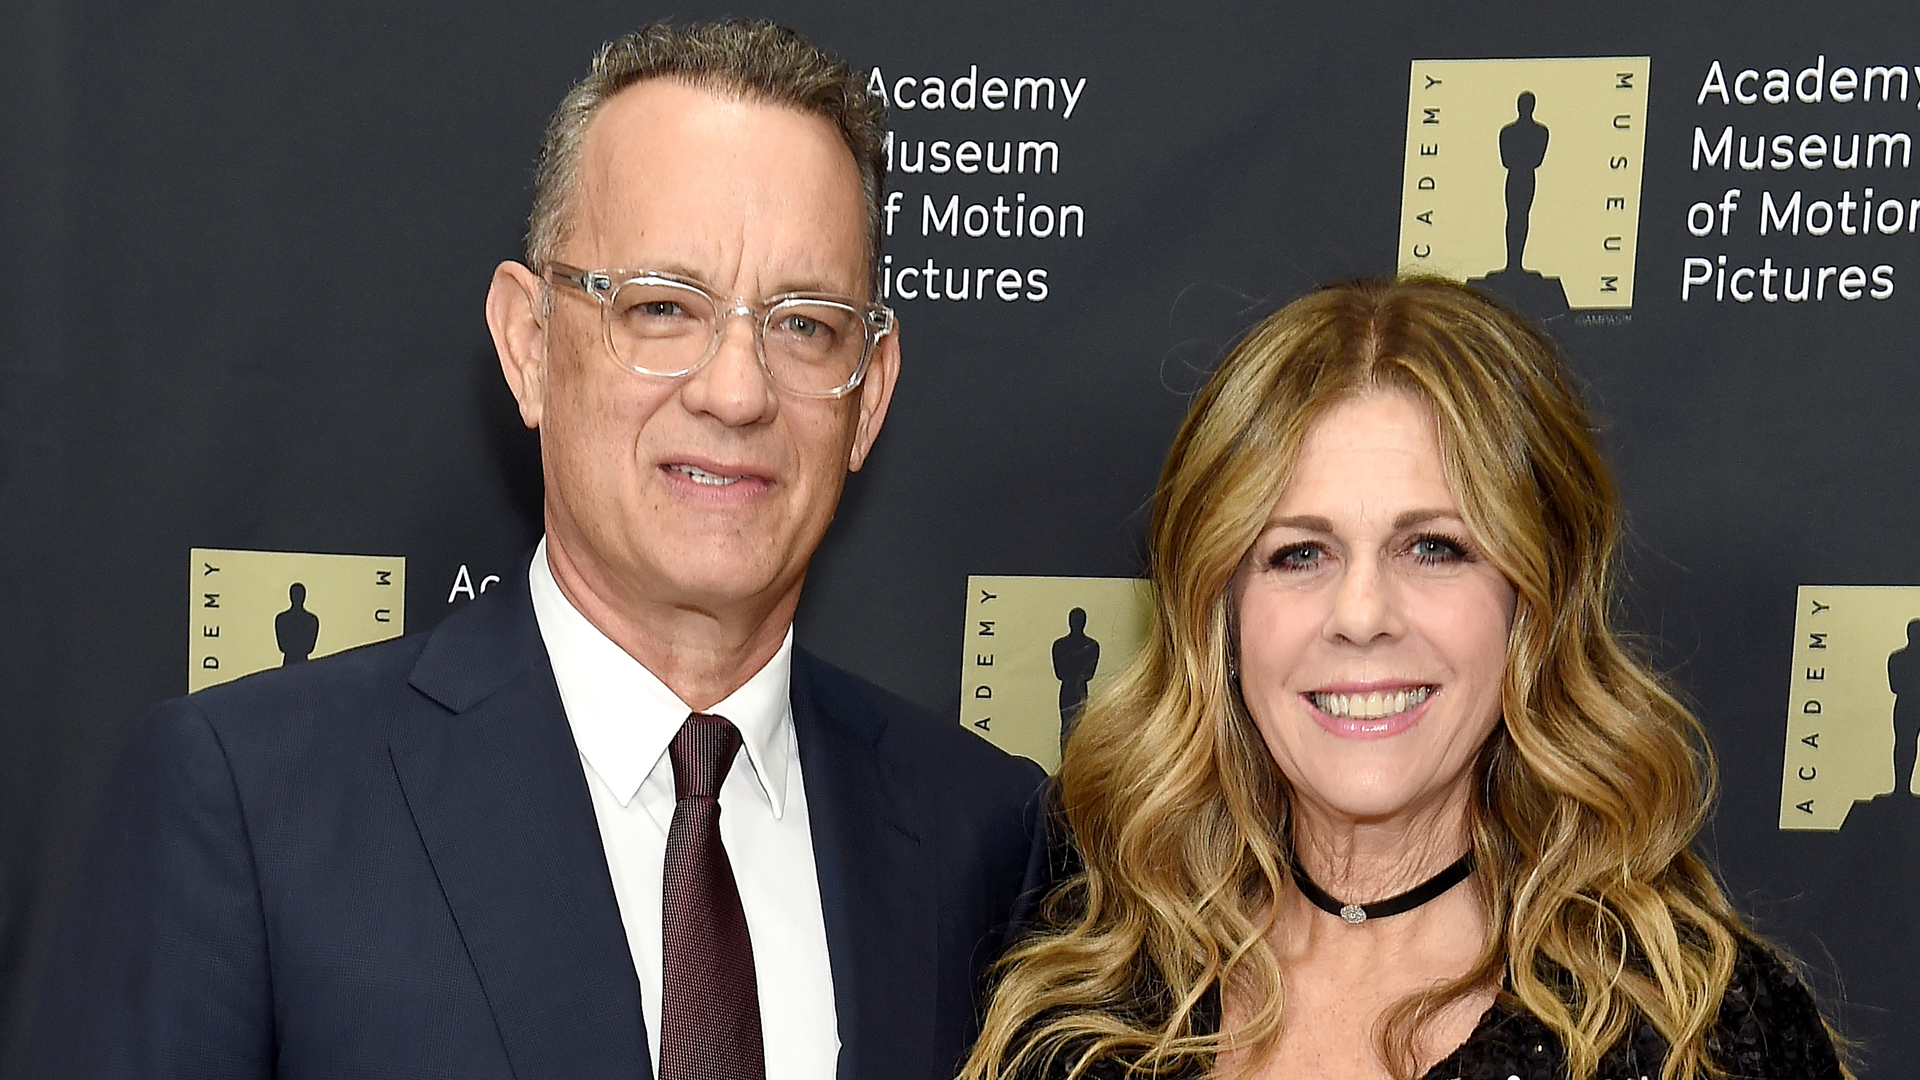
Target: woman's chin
[{"x": 1377, "y": 799}]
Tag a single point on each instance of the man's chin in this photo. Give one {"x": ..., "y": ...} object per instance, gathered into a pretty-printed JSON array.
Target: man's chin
[
  {"x": 703, "y": 571},
  {"x": 705, "y": 578}
]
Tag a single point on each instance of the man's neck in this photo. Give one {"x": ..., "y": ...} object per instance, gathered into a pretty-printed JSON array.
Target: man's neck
[{"x": 701, "y": 654}]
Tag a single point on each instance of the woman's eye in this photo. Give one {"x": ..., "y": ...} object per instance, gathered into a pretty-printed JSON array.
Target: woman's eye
[
  {"x": 1296, "y": 557},
  {"x": 1438, "y": 549}
]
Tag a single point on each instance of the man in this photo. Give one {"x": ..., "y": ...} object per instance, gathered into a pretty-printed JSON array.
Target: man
[{"x": 606, "y": 821}]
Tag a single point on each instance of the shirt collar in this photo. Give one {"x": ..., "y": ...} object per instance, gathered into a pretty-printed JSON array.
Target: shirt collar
[{"x": 623, "y": 717}]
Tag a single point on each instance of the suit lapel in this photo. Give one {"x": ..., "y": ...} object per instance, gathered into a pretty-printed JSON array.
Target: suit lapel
[
  {"x": 875, "y": 890},
  {"x": 495, "y": 787}
]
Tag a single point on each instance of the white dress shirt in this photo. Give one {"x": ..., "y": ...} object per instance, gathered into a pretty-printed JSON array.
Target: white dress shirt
[{"x": 623, "y": 718}]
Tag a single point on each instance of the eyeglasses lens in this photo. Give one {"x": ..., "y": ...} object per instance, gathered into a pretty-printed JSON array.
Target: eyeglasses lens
[{"x": 665, "y": 328}]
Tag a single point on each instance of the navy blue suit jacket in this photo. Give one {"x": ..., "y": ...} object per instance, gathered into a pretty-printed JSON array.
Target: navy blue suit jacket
[{"x": 386, "y": 864}]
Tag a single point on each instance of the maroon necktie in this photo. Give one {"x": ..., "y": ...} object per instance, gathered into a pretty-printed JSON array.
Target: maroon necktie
[{"x": 710, "y": 1008}]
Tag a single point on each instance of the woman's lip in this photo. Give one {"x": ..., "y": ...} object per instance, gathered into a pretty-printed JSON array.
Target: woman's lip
[
  {"x": 1384, "y": 727},
  {"x": 1384, "y": 686}
]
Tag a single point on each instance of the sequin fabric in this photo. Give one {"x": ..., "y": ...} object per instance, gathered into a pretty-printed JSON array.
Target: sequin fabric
[{"x": 1769, "y": 1029}]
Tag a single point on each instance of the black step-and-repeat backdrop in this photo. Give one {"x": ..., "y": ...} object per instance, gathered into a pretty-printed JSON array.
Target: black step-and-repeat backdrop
[{"x": 249, "y": 411}]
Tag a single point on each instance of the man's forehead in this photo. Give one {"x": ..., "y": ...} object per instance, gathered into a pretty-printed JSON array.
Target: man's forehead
[
  {"x": 664, "y": 101},
  {"x": 667, "y": 161},
  {"x": 662, "y": 127}
]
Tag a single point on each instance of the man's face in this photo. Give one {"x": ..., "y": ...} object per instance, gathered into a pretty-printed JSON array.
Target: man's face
[{"x": 712, "y": 490}]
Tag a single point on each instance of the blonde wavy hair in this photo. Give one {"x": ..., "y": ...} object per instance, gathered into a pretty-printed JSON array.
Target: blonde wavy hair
[{"x": 1588, "y": 795}]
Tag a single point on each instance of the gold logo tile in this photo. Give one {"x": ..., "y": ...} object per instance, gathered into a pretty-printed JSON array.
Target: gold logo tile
[
  {"x": 1036, "y": 647},
  {"x": 1523, "y": 176},
  {"x": 1853, "y": 715},
  {"x": 253, "y": 610}
]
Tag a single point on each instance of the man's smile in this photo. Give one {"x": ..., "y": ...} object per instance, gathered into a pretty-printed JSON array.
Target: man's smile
[{"x": 701, "y": 476}]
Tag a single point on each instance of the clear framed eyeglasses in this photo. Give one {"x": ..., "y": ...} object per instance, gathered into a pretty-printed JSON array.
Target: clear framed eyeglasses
[{"x": 810, "y": 344}]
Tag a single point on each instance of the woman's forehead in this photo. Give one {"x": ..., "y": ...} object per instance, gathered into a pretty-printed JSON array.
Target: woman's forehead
[{"x": 1373, "y": 453}]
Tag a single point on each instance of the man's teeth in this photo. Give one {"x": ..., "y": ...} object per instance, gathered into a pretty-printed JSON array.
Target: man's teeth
[
  {"x": 1370, "y": 706},
  {"x": 702, "y": 476}
]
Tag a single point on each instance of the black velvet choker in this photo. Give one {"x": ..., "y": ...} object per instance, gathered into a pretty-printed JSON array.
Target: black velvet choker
[{"x": 1356, "y": 914}]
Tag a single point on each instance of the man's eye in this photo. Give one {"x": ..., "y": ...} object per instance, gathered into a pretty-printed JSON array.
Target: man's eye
[
  {"x": 800, "y": 325},
  {"x": 660, "y": 309}
]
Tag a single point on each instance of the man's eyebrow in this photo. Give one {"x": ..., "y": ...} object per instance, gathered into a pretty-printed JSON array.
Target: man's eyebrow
[
  {"x": 819, "y": 285},
  {"x": 672, "y": 269}
]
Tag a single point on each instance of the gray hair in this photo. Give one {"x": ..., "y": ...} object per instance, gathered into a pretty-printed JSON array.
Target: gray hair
[{"x": 757, "y": 60}]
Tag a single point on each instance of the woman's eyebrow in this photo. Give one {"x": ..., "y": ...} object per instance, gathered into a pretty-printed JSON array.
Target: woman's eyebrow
[
  {"x": 1304, "y": 522},
  {"x": 1413, "y": 518},
  {"x": 1407, "y": 520}
]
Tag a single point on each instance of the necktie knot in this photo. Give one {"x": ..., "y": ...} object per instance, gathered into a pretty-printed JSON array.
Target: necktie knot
[{"x": 702, "y": 753}]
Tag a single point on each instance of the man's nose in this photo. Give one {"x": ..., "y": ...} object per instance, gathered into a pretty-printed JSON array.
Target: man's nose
[{"x": 732, "y": 386}]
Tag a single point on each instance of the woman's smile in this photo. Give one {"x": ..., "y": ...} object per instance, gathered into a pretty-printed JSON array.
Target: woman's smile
[{"x": 1364, "y": 713}]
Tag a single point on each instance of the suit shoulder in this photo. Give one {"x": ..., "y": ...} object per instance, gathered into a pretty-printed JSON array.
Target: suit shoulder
[
  {"x": 380, "y": 666},
  {"x": 337, "y": 693},
  {"x": 920, "y": 741}
]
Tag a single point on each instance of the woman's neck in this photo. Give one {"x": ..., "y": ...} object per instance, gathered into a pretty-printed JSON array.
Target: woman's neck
[
  {"x": 1362, "y": 860},
  {"x": 1340, "y": 979}
]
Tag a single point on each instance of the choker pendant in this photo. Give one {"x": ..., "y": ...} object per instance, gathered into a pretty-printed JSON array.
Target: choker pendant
[{"x": 1356, "y": 914}]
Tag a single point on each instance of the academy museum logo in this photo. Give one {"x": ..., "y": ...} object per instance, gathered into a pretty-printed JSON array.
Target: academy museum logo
[
  {"x": 1037, "y": 647},
  {"x": 1523, "y": 178},
  {"x": 1853, "y": 716},
  {"x": 253, "y": 610}
]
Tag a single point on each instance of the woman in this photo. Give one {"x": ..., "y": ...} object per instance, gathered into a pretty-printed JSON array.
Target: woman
[{"x": 1384, "y": 795}]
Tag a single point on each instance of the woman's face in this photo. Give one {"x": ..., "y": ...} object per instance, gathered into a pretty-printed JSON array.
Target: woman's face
[{"x": 1373, "y": 632}]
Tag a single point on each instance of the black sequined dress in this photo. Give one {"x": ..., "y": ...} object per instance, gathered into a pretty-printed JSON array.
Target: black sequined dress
[{"x": 1769, "y": 1029}]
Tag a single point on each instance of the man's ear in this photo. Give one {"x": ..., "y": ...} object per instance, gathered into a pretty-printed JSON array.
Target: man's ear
[
  {"x": 517, "y": 318},
  {"x": 876, "y": 392}
]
